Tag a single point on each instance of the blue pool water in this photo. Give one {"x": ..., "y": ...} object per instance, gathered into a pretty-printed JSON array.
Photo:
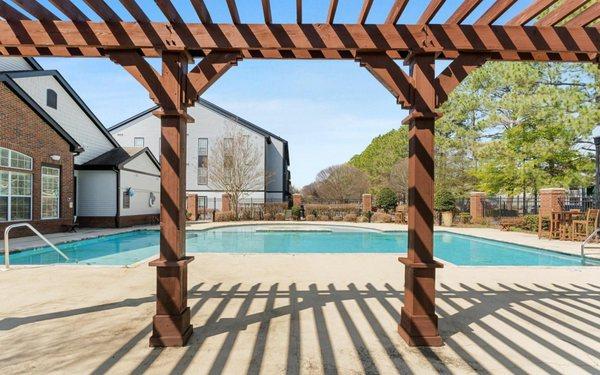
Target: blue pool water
[{"x": 132, "y": 247}]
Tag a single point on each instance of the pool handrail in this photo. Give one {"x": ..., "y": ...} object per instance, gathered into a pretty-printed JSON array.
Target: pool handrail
[
  {"x": 590, "y": 237},
  {"x": 18, "y": 225}
]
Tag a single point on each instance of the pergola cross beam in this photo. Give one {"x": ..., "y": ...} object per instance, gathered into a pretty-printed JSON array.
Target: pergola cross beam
[{"x": 196, "y": 38}]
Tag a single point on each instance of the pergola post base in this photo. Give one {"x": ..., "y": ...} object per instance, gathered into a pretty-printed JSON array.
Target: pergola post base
[
  {"x": 170, "y": 330},
  {"x": 420, "y": 327},
  {"x": 171, "y": 324},
  {"x": 412, "y": 330}
]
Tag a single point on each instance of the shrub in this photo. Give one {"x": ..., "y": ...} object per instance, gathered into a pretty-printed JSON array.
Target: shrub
[
  {"x": 530, "y": 223},
  {"x": 323, "y": 218},
  {"x": 362, "y": 219},
  {"x": 267, "y": 216},
  {"x": 274, "y": 208},
  {"x": 368, "y": 215},
  {"x": 381, "y": 217},
  {"x": 332, "y": 209},
  {"x": 387, "y": 199},
  {"x": 311, "y": 217},
  {"x": 445, "y": 201},
  {"x": 296, "y": 212},
  {"x": 246, "y": 214},
  {"x": 280, "y": 216},
  {"x": 464, "y": 217},
  {"x": 338, "y": 218},
  {"x": 350, "y": 217},
  {"x": 225, "y": 216}
]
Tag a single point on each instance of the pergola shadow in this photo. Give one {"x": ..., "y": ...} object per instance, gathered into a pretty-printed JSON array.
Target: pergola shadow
[{"x": 510, "y": 323}]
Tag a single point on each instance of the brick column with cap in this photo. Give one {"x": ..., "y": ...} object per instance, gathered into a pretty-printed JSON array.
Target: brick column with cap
[
  {"x": 367, "y": 202},
  {"x": 477, "y": 200},
  {"x": 225, "y": 202},
  {"x": 192, "y": 206},
  {"x": 552, "y": 199}
]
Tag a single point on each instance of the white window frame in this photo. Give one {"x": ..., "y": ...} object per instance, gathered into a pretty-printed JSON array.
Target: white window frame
[
  {"x": 10, "y": 196},
  {"x": 202, "y": 183},
  {"x": 138, "y": 138},
  {"x": 42, "y": 194}
]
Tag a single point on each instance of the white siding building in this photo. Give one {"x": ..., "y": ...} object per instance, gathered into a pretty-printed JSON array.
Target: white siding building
[{"x": 211, "y": 124}]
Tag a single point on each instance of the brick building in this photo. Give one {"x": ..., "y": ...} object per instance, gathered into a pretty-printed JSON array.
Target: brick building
[
  {"x": 48, "y": 140},
  {"x": 36, "y": 164}
]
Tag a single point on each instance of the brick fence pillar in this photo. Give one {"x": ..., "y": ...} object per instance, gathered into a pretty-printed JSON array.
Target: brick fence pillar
[
  {"x": 367, "y": 202},
  {"x": 225, "y": 202},
  {"x": 297, "y": 199},
  {"x": 552, "y": 199},
  {"x": 477, "y": 200},
  {"x": 192, "y": 206}
]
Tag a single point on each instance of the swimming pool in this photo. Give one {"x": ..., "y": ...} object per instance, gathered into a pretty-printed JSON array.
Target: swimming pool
[{"x": 132, "y": 247}]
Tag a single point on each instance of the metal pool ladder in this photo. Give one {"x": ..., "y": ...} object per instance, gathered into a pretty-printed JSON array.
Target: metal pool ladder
[
  {"x": 18, "y": 225},
  {"x": 587, "y": 240}
]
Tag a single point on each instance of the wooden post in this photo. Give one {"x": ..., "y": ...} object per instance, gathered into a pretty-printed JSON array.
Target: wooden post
[
  {"x": 418, "y": 324},
  {"x": 171, "y": 324}
]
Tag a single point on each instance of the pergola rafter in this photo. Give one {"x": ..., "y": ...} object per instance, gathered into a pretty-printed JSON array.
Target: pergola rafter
[{"x": 566, "y": 32}]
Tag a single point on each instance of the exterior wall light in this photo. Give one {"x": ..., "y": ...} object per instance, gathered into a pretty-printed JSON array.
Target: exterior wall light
[{"x": 55, "y": 157}]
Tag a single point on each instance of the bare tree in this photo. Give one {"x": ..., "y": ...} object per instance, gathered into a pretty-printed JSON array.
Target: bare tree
[
  {"x": 341, "y": 183},
  {"x": 399, "y": 179},
  {"x": 309, "y": 192},
  {"x": 237, "y": 167}
]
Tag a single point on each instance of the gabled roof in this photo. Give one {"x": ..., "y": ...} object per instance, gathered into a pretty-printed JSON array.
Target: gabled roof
[
  {"x": 215, "y": 108},
  {"x": 17, "y": 90},
  {"x": 65, "y": 85},
  {"x": 117, "y": 158},
  {"x": 34, "y": 64}
]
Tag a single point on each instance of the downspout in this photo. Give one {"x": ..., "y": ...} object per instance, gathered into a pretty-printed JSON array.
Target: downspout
[
  {"x": 265, "y": 172},
  {"x": 118, "y": 215},
  {"x": 597, "y": 185}
]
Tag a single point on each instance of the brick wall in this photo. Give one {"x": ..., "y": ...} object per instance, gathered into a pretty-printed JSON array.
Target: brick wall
[{"x": 22, "y": 130}]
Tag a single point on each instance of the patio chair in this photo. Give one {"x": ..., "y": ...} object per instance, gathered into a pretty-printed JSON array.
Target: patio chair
[
  {"x": 544, "y": 226},
  {"x": 581, "y": 229},
  {"x": 72, "y": 228}
]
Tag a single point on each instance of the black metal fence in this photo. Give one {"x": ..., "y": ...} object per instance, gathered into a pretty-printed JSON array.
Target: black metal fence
[
  {"x": 249, "y": 208},
  {"x": 498, "y": 206}
]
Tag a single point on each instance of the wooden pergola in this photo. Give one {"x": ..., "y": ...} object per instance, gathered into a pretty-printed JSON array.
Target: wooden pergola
[{"x": 568, "y": 32}]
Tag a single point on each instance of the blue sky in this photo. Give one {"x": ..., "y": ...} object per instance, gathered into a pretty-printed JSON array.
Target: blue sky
[{"x": 327, "y": 110}]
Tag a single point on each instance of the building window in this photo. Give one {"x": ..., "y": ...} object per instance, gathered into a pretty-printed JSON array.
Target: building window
[
  {"x": 51, "y": 99},
  {"x": 202, "y": 161},
  {"x": 202, "y": 203},
  {"x": 126, "y": 199},
  {"x": 15, "y": 196},
  {"x": 14, "y": 159},
  {"x": 138, "y": 142},
  {"x": 50, "y": 193},
  {"x": 228, "y": 153}
]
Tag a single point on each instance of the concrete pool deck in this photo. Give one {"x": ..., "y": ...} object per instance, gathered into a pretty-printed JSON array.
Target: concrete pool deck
[{"x": 300, "y": 313}]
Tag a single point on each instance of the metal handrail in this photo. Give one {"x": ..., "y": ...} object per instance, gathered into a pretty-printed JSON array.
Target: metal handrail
[
  {"x": 594, "y": 233},
  {"x": 18, "y": 225}
]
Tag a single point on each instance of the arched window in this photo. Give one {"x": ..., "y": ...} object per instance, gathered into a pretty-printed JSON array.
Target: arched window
[
  {"x": 15, "y": 187},
  {"x": 51, "y": 98},
  {"x": 14, "y": 159}
]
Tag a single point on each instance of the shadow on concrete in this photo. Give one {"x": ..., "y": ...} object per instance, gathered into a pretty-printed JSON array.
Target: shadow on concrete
[
  {"x": 526, "y": 311},
  {"x": 475, "y": 319}
]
